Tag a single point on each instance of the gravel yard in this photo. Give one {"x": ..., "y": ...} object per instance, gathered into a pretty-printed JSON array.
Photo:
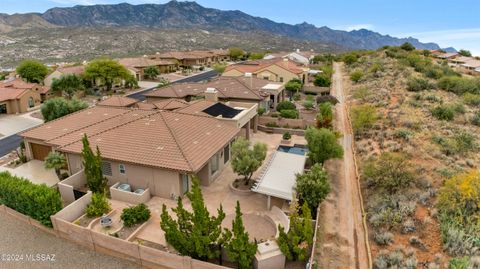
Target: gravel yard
[{"x": 20, "y": 240}]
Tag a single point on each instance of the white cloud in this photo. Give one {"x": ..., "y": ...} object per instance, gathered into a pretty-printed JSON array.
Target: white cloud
[
  {"x": 468, "y": 38},
  {"x": 358, "y": 27}
]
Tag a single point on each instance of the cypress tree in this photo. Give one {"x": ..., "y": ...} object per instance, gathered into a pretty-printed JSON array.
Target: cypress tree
[{"x": 92, "y": 164}]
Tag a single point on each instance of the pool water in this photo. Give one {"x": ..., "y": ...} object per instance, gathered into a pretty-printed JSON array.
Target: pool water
[{"x": 296, "y": 149}]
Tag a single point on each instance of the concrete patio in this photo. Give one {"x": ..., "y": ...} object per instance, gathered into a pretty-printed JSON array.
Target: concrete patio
[{"x": 35, "y": 172}]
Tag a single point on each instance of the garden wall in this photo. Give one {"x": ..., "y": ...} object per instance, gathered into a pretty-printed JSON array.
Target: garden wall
[
  {"x": 66, "y": 186},
  {"x": 129, "y": 197},
  {"x": 281, "y": 122}
]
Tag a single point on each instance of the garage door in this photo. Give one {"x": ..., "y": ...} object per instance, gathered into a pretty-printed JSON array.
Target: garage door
[
  {"x": 3, "y": 108},
  {"x": 40, "y": 152}
]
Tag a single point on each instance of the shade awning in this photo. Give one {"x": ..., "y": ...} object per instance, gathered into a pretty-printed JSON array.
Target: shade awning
[{"x": 279, "y": 177}]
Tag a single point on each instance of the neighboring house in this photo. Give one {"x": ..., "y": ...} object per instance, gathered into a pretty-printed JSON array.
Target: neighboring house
[
  {"x": 18, "y": 96},
  {"x": 456, "y": 61},
  {"x": 445, "y": 56},
  {"x": 240, "y": 89},
  {"x": 471, "y": 66},
  {"x": 118, "y": 101},
  {"x": 300, "y": 57},
  {"x": 194, "y": 59},
  {"x": 152, "y": 149},
  {"x": 278, "y": 70},
  {"x": 137, "y": 66},
  {"x": 75, "y": 70}
]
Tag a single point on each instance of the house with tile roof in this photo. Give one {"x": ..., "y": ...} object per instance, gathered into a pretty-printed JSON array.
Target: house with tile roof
[
  {"x": 118, "y": 101},
  {"x": 239, "y": 89},
  {"x": 195, "y": 57},
  {"x": 276, "y": 69},
  {"x": 67, "y": 70},
  {"x": 137, "y": 65},
  {"x": 147, "y": 149},
  {"x": 18, "y": 96}
]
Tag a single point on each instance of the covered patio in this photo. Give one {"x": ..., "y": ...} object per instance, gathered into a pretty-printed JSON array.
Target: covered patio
[{"x": 279, "y": 176}]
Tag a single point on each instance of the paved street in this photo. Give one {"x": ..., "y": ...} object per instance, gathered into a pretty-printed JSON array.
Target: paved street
[
  {"x": 19, "y": 238},
  {"x": 195, "y": 78},
  {"x": 12, "y": 124}
]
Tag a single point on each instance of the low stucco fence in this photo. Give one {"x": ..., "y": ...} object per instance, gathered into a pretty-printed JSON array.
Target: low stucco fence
[
  {"x": 128, "y": 196},
  {"x": 66, "y": 186},
  {"x": 276, "y": 130},
  {"x": 282, "y": 122}
]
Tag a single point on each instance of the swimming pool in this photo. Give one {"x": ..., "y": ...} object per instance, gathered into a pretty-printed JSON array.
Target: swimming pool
[{"x": 296, "y": 149}]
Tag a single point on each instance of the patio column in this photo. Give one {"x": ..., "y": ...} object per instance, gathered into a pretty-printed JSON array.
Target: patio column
[
  {"x": 275, "y": 100},
  {"x": 247, "y": 130},
  {"x": 269, "y": 198},
  {"x": 255, "y": 124}
]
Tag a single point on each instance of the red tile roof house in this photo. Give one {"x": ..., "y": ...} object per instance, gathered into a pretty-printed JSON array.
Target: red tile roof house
[
  {"x": 137, "y": 66},
  {"x": 239, "y": 89},
  {"x": 18, "y": 96},
  {"x": 148, "y": 149},
  {"x": 194, "y": 58},
  {"x": 75, "y": 70}
]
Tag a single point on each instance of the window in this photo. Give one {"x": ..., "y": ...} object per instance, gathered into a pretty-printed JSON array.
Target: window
[
  {"x": 185, "y": 184},
  {"x": 121, "y": 169},
  {"x": 214, "y": 165},
  {"x": 106, "y": 168},
  {"x": 266, "y": 77},
  {"x": 281, "y": 79},
  {"x": 30, "y": 102},
  {"x": 226, "y": 153}
]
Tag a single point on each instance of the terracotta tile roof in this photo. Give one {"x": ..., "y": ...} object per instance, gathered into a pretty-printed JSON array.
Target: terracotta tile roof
[
  {"x": 163, "y": 139},
  {"x": 118, "y": 101},
  {"x": 143, "y": 62},
  {"x": 472, "y": 63},
  {"x": 18, "y": 84},
  {"x": 196, "y": 107},
  {"x": 171, "y": 104},
  {"x": 142, "y": 105},
  {"x": 76, "y": 70},
  {"x": 257, "y": 66},
  {"x": 227, "y": 87},
  {"x": 11, "y": 93},
  {"x": 72, "y": 122},
  {"x": 461, "y": 59}
]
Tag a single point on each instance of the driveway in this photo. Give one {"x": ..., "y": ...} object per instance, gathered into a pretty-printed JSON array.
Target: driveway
[
  {"x": 35, "y": 172},
  {"x": 12, "y": 124}
]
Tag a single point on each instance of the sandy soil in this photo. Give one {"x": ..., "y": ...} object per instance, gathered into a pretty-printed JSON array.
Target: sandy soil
[{"x": 341, "y": 240}]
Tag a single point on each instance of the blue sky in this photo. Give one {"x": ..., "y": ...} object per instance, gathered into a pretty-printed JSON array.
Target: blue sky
[{"x": 452, "y": 23}]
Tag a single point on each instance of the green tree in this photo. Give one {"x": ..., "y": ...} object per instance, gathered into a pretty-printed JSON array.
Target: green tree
[
  {"x": 32, "y": 71},
  {"x": 58, "y": 107},
  {"x": 293, "y": 86},
  {"x": 363, "y": 116},
  {"x": 92, "y": 164},
  {"x": 236, "y": 53},
  {"x": 98, "y": 206},
  {"x": 220, "y": 68},
  {"x": 106, "y": 71},
  {"x": 68, "y": 84},
  {"x": 322, "y": 80},
  {"x": 239, "y": 247},
  {"x": 195, "y": 234},
  {"x": 465, "y": 53},
  {"x": 256, "y": 56},
  {"x": 296, "y": 243},
  {"x": 55, "y": 160},
  {"x": 322, "y": 145},
  {"x": 407, "y": 46},
  {"x": 245, "y": 161},
  {"x": 350, "y": 58},
  {"x": 151, "y": 72},
  {"x": 325, "y": 115},
  {"x": 286, "y": 105},
  {"x": 390, "y": 172},
  {"x": 313, "y": 186}
]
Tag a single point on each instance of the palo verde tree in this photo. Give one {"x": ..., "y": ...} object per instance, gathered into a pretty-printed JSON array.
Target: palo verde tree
[
  {"x": 106, "y": 71},
  {"x": 322, "y": 145},
  {"x": 236, "y": 53},
  {"x": 195, "y": 234},
  {"x": 296, "y": 243},
  {"x": 68, "y": 85},
  {"x": 313, "y": 186},
  {"x": 245, "y": 160},
  {"x": 92, "y": 164},
  {"x": 55, "y": 160},
  {"x": 32, "y": 71},
  {"x": 151, "y": 72},
  {"x": 239, "y": 247}
]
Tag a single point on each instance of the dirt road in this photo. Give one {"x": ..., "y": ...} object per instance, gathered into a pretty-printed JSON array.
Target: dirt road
[{"x": 341, "y": 240}]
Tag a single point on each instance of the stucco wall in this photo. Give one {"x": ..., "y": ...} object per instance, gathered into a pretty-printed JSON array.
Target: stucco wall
[{"x": 129, "y": 197}]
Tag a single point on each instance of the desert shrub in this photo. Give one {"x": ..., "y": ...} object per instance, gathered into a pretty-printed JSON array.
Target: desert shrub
[
  {"x": 34, "y": 200},
  {"x": 402, "y": 134},
  {"x": 415, "y": 84},
  {"x": 476, "y": 119},
  {"x": 459, "y": 85},
  {"x": 443, "y": 112},
  {"x": 350, "y": 58},
  {"x": 310, "y": 97},
  {"x": 390, "y": 172},
  {"x": 289, "y": 114},
  {"x": 297, "y": 96},
  {"x": 471, "y": 99},
  {"x": 307, "y": 104},
  {"x": 325, "y": 115},
  {"x": 286, "y": 105},
  {"x": 322, "y": 145},
  {"x": 461, "y": 142},
  {"x": 375, "y": 68},
  {"x": 362, "y": 93},
  {"x": 261, "y": 111},
  {"x": 458, "y": 263},
  {"x": 135, "y": 215},
  {"x": 408, "y": 226},
  {"x": 356, "y": 75},
  {"x": 272, "y": 124},
  {"x": 327, "y": 98},
  {"x": 433, "y": 98},
  {"x": 386, "y": 217},
  {"x": 458, "y": 108},
  {"x": 363, "y": 117},
  {"x": 286, "y": 136},
  {"x": 322, "y": 80},
  {"x": 313, "y": 186},
  {"x": 433, "y": 72},
  {"x": 384, "y": 238},
  {"x": 98, "y": 206},
  {"x": 407, "y": 46}
]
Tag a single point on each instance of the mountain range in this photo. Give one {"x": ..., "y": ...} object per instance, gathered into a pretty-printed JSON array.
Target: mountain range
[{"x": 190, "y": 16}]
